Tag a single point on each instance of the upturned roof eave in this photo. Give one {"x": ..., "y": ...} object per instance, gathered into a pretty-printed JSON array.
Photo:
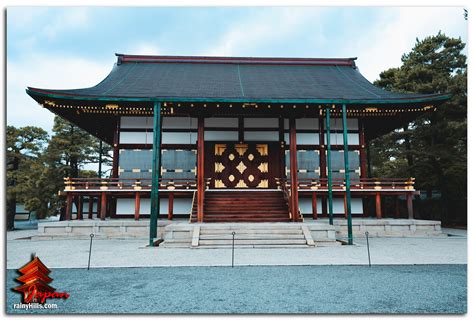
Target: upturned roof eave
[{"x": 434, "y": 98}]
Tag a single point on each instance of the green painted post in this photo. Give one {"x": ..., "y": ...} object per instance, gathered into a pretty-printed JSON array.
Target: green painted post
[
  {"x": 155, "y": 173},
  {"x": 347, "y": 176},
  {"x": 328, "y": 163}
]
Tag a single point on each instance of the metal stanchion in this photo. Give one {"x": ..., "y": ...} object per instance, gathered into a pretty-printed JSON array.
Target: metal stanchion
[
  {"x": 368, "y": 249},
  {"x": 90, "y": 251},
  {"x": 233, "y": 241}
]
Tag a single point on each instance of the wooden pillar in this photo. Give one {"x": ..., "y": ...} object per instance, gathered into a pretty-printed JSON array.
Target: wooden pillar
[
  {"x": 200, "y": 171},
  {"x": 410, "y": 205},
  {"x": 363, "y": 154},
  {"x": 103, "y": 205},
  {"x": 170, "y": 205},
  {"x": 98, "y": 207},
  {"x": 345, "y": 205},
  {"x": 116, "y": 150},
  {"x": 91, "y": 207},
  {"x": 137, "y": 205},
  {"x": 322, "y": 164},
  {"x": 155, "y": 173},
  {"x": 281, "y": 138},
  {"x": 294, "y": 171},
  {"x": 315, "y": 206},
  {"x": 378, "y": 205},
  {"x": 80, "y": 205},
  {"x": 68, "y": 206}
]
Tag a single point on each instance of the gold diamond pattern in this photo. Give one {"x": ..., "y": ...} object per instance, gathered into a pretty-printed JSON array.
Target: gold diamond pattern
[
  {"x": 241, "y": 167},
  {"x": 263, "y": 167},
  {"x": 218, "y": 167},
  {"x": 241, "y": 184},
  {"x": 241, "y": 148}
]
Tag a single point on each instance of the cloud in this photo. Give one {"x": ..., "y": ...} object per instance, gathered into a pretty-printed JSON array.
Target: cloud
[
  {"x": 50, "y": 72},
  {"x": 261, "y": 29},
  {"x": 144, "y": 48},
  {"x": 71, "y": 19},
  {"x": 395, "y": 33}
]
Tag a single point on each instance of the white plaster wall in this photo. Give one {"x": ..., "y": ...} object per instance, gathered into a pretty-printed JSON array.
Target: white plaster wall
[
  {"x": 338, "y": 205},
  {"x": 136, "y": 122},
  {"x": 221, "y": 122},
  {"x": 221, "y": 135},
  {"x": 181, "y": 206},
  {"x": 307, "y": 124},
  {"x": 260, "y": 122},
  {"x": 136, "y": 137},
  {"x": 304, "y": 138},
  {"x": 261, "y": 135},
  {"x": 338, "y": 138},
  {"x": 178, "y": 137},
  {"x": 179, "y": 123},
  {"x": 336, "y": 124}
]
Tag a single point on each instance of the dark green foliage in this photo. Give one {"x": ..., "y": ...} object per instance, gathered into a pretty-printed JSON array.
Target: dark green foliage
[
  {"x": 433, "y": 148},
  {"x": 37, "y": 165}
]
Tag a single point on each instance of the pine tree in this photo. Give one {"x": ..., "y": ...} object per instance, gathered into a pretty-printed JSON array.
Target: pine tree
[{"x": 432, "y": 148}]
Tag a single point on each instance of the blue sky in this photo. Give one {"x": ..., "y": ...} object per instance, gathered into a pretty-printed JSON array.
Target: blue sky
[{"x": 74, "y": 47}]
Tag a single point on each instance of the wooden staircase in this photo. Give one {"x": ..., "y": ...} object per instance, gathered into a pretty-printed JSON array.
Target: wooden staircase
[{"x": 243, "y": 206}]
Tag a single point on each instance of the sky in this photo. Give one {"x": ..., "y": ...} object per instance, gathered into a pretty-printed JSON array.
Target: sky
[{"x": 74, "y": 47}]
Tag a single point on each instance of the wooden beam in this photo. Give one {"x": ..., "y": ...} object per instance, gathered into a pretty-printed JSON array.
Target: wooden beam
[
  {"x": 200, "y": 171},
  {"x": 80, "y": 205},
  {"x": 378, "y": 205},
  {"x": 103, "y": 206},
  {"x": 68, "y": 206},
  {"x": 170, "y": 205},
  {"x": 345, "y": 205},
  {"x": 137, "y": 206},
  {"x": 91, "y": 207},
  {"x": 116, "y": 150},
  {"x": 315, "y": 205},
  {"x": 363, "y": 154},
  {"x": 294, "y": 171},
  {"x": 410, "y": 205}
]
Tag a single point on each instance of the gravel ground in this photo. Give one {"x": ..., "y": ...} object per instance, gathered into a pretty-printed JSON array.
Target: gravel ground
[{"x": 258, "y": 289}]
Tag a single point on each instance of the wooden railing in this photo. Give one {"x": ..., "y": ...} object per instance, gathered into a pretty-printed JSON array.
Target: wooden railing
[
  {"x": 357, "y": 184},
  {"x": 115, "y": 184},
  {"x": 282, "y": 184}
]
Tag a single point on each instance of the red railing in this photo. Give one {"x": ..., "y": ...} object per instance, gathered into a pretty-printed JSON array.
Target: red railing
[
  {"x": 115, "y": 184},
  {"x": 358, "y": 184}
]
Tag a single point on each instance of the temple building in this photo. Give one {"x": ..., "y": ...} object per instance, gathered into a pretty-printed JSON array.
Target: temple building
[{"x": 236, "y": 139}]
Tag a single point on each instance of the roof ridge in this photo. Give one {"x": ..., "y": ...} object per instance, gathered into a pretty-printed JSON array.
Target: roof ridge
[{"x": 124, "y": 58}]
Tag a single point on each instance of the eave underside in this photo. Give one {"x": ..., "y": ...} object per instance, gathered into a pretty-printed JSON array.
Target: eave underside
[{"x": 99, "y": 117}]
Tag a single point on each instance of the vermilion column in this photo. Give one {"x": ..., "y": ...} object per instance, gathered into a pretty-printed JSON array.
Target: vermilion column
[
  {"x": 378, "y": 206},
  {"x": 200, "y": 171},
  {"x": 294, "y": 171}
]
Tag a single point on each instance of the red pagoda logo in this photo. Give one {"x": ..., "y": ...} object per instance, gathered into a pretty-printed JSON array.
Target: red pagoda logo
[{"x": 35, "y": 279}]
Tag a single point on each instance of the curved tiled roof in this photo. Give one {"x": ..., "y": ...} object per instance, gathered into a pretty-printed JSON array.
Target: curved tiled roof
[{"x": 237, "y": 79}]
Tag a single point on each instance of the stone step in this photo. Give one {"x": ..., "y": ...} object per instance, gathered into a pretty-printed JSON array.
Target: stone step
[
  {"x": 250, "y": 246},
  {"x": 257, "y": 236},
  {"x": 253, "y": 242},
  {"x": 252, "y": 231}
]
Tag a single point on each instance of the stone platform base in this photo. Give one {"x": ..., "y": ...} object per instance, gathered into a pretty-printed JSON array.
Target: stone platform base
[
  {"x": 389, "y": 227},
  {"x": 193, "y": 235},
  {"x": 216, "y": 235}
]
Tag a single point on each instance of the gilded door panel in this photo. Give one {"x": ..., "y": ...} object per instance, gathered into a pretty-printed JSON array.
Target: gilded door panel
[{"x": 241, "y": 165}]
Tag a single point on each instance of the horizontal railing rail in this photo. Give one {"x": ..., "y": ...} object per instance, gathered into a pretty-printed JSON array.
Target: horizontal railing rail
[
  {"x": 356, "y": 184},
  {"x": 72, "y": 184}
]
